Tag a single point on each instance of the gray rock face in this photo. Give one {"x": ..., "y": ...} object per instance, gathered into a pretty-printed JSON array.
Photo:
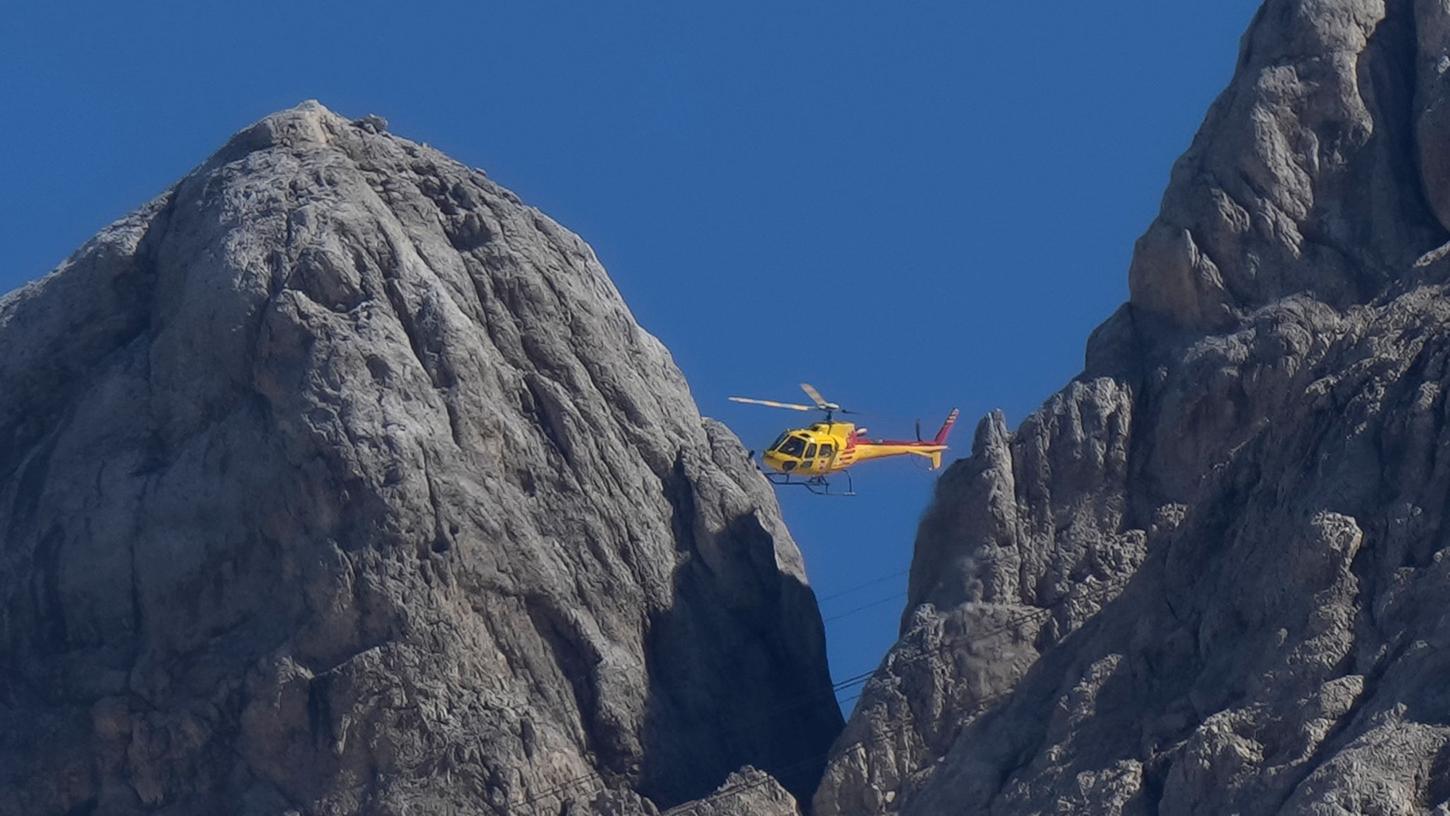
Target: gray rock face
[
  {"x": 1210, "y": 575},
  {"x": 336, "y": 480}
]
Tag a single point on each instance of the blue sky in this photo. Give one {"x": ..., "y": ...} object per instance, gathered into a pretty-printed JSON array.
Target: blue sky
[{"x": 912, "y": 205}]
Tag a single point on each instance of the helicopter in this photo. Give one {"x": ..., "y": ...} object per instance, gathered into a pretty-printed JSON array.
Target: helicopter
[{"x": 806, "y": 456}]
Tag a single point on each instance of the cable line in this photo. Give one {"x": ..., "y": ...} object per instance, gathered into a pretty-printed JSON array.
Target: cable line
[
  {"x": 862, "y": 608},
  {"x": 867, "y": 585}
]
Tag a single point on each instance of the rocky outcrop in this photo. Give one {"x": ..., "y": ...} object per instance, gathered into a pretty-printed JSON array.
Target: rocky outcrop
[
  {"x": 337, "y": 480},
  {"x": 1210, "y": 575}
]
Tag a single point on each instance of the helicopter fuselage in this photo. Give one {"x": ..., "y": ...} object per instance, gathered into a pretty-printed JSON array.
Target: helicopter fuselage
[{"x": 828, "y": 447}]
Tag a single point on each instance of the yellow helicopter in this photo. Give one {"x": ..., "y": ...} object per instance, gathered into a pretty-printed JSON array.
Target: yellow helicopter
[{"x": 813, "y": 453}]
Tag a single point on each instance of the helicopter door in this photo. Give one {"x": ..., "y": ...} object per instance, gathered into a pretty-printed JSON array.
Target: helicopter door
[{"x": 827, "y": 453}]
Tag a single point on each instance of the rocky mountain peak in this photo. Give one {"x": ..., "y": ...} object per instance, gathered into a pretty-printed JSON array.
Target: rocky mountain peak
[
  {"x": 338, "y": 480},
  {"x": 1207, "y": 575},
  {"x": 1318, "y": 171}
]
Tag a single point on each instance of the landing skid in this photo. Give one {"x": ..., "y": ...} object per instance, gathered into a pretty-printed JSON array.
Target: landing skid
[{"x": 816, "y": 484}]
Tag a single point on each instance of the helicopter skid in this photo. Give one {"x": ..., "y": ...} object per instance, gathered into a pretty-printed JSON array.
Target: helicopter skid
[{"x": 816, "y": 484}]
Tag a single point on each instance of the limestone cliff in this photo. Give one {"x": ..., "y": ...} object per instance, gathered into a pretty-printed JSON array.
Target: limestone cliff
[
  {"x": 336, "y": 480},
  {"x": 1209, "y": 576}
]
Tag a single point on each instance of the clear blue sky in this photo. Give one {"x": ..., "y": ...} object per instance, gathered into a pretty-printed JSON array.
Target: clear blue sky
[{"x": 912, "y": 205}]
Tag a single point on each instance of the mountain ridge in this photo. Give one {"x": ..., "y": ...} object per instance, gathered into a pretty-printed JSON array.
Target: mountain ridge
[{"x": 1202, "y": 577}]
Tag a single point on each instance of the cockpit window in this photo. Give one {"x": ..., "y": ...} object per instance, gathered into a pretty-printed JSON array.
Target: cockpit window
[
  {"x": 792, "y": 447},
  {"x": 778, "y": 441},
  {"x": 811, "y": 452}
]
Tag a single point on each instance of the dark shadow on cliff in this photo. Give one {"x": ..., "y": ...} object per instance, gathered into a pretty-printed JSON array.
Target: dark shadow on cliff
[{"x": 771, "y": 706}]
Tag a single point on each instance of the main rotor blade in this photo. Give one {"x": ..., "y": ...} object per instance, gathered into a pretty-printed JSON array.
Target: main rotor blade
[
  {"x": 773, "y": 404},
  {"x": 816, "y": 397}
]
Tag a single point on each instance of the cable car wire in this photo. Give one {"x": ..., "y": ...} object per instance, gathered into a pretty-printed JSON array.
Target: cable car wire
[
  {"x": 863, "y": 607},
  {"x": 867, "y": 585}
]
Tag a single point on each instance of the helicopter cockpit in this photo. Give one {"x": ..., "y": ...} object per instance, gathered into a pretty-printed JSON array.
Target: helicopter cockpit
[
  {"x": 790, "y": 444},
  {"x": 800, "y": 449}
]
